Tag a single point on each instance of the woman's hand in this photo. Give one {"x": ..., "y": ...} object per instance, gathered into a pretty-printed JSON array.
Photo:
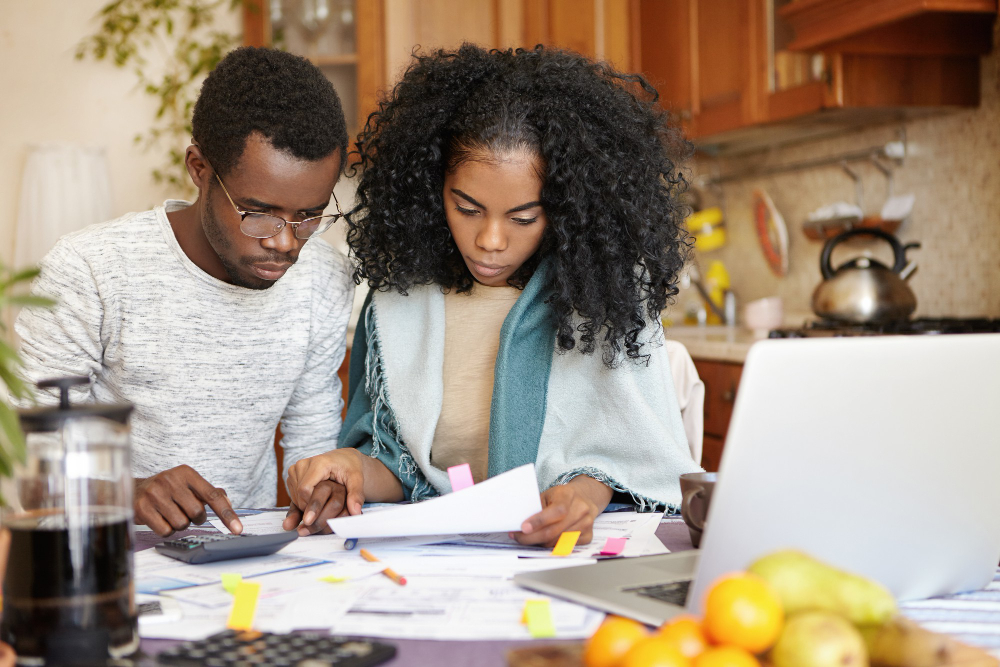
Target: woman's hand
[
  {"x": 570, "y": 506},
  {"x": 323, "y": 487}
]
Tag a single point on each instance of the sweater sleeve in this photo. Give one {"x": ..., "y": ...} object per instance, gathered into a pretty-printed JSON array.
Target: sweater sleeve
[
  {"x": 71, "y": 337},
  {"x": 370, "y": 425},
  {"x": 311, "y": 421}
]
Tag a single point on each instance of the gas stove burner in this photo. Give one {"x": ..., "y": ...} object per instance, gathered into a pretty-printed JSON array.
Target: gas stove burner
[{"x": 923, "y": 325}]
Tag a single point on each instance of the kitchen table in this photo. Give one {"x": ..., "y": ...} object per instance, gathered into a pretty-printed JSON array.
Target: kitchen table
[
  {"x": 972, "y": 617},
  {"x": 410, "y": 652}
]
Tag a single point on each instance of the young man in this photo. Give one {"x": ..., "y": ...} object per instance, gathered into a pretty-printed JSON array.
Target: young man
[{"x": 215, "y": 319}]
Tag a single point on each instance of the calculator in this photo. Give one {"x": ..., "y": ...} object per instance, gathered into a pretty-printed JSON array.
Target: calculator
[
  {"x": 197, "y": 549},
  {"x": 247, "y": 647}
]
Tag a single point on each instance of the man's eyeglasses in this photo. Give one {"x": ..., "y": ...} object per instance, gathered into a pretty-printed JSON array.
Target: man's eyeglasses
[{"x": 265, "y": 225}]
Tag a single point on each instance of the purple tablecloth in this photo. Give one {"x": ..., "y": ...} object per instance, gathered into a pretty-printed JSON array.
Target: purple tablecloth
[{"x": 673, "y": 534}]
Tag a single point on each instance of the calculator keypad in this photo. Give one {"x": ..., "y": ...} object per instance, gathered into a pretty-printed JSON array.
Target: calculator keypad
[{"x": 291, "y": 650}]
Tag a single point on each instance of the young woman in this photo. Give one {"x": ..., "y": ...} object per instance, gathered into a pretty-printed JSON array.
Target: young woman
[{"x": 518, "y": 221}]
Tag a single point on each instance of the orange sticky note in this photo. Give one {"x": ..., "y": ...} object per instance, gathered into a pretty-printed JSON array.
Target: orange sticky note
[
  {"x": 244, "y": 606},
  {"x": 567, "y": 541},
  {"x": 538, "y": 614},
  {"x": 460, "y": 476}
]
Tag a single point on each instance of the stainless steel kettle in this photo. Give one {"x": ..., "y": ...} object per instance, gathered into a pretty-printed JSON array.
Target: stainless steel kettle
[{"x": 865, "y": 290}]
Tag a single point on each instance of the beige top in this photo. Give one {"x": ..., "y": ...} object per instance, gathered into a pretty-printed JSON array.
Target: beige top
[{"x": 471, "y": 341}]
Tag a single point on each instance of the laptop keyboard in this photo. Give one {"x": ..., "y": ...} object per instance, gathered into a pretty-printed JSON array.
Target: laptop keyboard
[{"x": 674, "y": 592}]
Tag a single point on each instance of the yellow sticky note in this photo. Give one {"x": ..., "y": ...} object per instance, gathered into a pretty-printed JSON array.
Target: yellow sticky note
[
  {"x": 567, "y": 541},
  {"x": 230, "y": 581},
  {"x": 244, "y": 606},
  {"x": 330, "y": 579},
  {"x": 539, "y": 617}
]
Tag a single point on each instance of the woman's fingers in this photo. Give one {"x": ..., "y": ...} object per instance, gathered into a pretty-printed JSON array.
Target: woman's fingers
[
  {"x": 354, "y": 484},
  {"x": 564, "y": 510},
  {"x": 312, "y": 471}
]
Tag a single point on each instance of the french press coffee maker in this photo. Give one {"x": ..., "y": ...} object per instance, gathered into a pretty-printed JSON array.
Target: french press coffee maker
[{"x": 68, "y": 596}]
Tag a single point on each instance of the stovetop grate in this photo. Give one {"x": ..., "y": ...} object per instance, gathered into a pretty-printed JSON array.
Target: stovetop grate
[{"x": 922, "y": 325}]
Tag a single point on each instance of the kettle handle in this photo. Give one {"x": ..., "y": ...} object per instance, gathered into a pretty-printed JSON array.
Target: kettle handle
[{"x": 899, "y": 253}]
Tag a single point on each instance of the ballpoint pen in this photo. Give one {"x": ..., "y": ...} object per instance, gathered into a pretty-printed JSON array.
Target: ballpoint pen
[
  {"x": 387, "y": 571},
  {"x": 350, "y": 543}
]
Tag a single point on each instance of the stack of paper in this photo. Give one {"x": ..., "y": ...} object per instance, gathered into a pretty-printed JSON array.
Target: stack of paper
[{"x": 454, "y": 551}]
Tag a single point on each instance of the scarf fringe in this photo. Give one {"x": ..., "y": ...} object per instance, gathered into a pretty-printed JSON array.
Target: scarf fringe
[
  {"x": 642, "y": 503},
  {"x": 383, "y": 415}
]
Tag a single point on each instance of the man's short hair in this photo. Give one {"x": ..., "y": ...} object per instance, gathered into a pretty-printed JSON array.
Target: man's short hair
[{"x": 282, "y": 96}]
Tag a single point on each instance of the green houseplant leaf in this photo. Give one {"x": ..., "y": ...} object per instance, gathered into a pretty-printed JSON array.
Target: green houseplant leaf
[
  {"x": 131, "y": 33},
  {"x": 12, "y": 446}
]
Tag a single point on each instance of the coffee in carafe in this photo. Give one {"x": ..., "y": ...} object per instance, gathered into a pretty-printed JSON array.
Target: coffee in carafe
[{"x": 68, "y": 595}]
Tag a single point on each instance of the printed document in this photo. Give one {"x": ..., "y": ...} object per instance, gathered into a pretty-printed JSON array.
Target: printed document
[{"x": 499, "y": 504}]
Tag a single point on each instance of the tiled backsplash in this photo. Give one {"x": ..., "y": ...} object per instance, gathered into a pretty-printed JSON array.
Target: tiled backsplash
[{"x": 953, "y": 168}]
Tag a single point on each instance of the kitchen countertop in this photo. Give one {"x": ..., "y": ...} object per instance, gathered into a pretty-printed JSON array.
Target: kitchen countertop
[{"x": 716, "y": 343}]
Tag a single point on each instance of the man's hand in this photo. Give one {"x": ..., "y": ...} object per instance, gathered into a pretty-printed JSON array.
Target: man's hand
[
  {"x": 174, "y": 499},
  {"x": 328, "y": 501},
  {"x": 324, "y": 486},
  {"x": 571, "y": 506}
]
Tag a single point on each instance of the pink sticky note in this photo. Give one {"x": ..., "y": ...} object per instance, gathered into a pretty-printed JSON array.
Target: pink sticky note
[
  {"x": 613, "y": 546},
  {"x": 460, "y": 476}
]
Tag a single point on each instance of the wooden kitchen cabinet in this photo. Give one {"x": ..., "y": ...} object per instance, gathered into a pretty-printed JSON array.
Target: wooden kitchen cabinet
[
  {"x": 351, "y": 54},
  {"x": 739, "y": 71},
  {"x": 697, "y": 54},
  {"x": 722, "y": 380}
]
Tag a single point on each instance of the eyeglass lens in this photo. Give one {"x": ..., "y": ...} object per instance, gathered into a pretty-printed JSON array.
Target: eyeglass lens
[{"x": 263, "y": 226}]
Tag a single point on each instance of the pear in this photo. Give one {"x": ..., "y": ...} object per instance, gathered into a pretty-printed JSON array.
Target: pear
[
  {"x": 819, "y": 639},
  {"x": 804, "y": 583},
  {"x": 903, "y": 643}
]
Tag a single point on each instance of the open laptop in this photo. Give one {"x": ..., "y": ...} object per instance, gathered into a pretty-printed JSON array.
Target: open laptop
[{"x": 878, "y": 455}]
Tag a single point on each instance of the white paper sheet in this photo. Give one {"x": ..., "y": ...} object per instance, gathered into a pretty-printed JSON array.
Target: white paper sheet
[
  {"x": 457, "y": 608},
  {"x": 324, "y": 547},
  {"x": 498, "y": 504},
  {"x": 454, "y": 591},
  {"x": 639, "y": 531},
  {"x": 155, "y": 572},
  {"x": 445, "y": 598}
]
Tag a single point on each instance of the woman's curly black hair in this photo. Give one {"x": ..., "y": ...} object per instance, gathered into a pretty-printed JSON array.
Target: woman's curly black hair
[{"x": 611, "y": 184}]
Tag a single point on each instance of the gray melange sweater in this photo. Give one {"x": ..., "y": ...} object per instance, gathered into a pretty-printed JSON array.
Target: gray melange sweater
[{"x": 210, "y": 367}]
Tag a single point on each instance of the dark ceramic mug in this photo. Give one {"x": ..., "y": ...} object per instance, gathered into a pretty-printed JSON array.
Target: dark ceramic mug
[{"x": 696, "y": 494}]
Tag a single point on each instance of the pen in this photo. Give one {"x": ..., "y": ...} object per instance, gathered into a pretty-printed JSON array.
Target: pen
[
  {"x": 350, "y": 543},
  {"x": 367, "y": 555}
]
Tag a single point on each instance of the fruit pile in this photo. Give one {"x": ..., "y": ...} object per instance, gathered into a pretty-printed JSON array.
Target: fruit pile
[{"x": 786, "y": 610}]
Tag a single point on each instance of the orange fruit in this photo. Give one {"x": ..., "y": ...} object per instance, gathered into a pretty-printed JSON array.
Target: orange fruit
[
  {"x": 655, "y": 651},
  {"x": 742, "y": 610},
  {"x": 726, "y": 656},
  {"x": 686, "y": 634},
  {"x": 609, "y": 644}
]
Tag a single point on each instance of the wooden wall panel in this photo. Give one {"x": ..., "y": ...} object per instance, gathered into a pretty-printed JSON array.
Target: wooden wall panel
[
  {"x": 371, "y": 55},
  {"x": 573, "y": 25},
  {"x": 617, "y": 18}
]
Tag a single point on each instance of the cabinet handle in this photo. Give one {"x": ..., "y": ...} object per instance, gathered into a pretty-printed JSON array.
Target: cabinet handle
[{"x": 729, "y": 395}]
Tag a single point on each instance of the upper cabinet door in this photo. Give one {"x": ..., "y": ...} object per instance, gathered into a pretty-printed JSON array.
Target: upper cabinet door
[
  {"x": 723, "y": 66},
  {"x": 344, "y": 38},
  {"x": 728, "y": 50},
  {"x": 705, "y": 59}
]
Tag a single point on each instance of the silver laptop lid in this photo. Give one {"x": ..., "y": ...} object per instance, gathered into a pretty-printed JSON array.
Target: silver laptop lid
[{"x": 879, "y": 455}]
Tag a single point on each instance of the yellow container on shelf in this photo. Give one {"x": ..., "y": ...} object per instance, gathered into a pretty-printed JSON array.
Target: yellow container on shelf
[{"x": 708, "y": 228}]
